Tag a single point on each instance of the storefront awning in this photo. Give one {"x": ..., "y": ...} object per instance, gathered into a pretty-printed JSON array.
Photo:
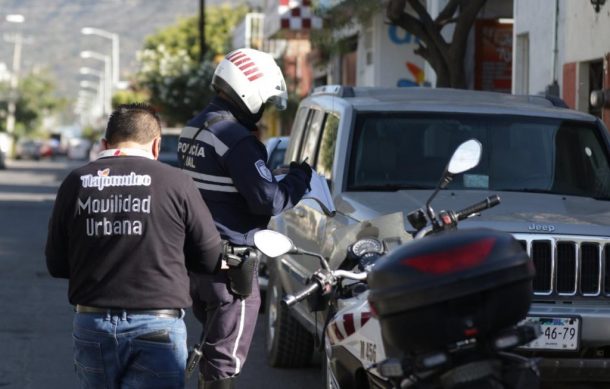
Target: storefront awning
[{"x": 285, "y": 19}]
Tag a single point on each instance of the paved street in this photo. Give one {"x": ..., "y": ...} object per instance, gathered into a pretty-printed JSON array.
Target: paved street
[{"x": 35, "y": 328}]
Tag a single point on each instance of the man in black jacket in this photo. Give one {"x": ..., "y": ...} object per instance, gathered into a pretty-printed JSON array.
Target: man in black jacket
[
  {"x": 124, "y": 230},
  {"x": 228, "y": 163}
]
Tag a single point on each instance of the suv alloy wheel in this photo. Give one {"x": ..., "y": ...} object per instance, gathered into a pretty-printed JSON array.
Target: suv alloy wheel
[{"x": 288, "y": 344}]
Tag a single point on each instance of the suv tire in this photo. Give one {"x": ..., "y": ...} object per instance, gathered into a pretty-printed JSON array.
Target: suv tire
[{"x": 288, "y": 344}]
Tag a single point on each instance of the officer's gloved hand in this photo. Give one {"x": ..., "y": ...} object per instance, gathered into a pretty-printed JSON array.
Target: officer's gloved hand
[{"x": 302, "y": 166}]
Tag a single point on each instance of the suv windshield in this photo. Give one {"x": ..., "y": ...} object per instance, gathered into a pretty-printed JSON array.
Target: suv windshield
[{"x": 410, "y": 151}]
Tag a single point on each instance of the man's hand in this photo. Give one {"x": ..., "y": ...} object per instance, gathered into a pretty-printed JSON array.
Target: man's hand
[{"x": 302, "y": 166}]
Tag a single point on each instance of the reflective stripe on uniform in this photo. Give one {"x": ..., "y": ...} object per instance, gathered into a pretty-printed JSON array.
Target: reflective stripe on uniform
[
  {"x": 208, "y": 177},
  {"x": 242, "y": 316},
  {"x": 216, "y": 188},
  {"x": 205, "y": 137}
]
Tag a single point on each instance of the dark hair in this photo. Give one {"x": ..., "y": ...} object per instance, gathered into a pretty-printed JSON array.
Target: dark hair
[{"x": 135, "y": 122}]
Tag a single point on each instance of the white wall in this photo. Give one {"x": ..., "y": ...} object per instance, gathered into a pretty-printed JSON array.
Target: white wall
[
  {"x": 537, "y": 19},
  {"x": 587, "y": 32},
  {"x": 383, "y": 54}
]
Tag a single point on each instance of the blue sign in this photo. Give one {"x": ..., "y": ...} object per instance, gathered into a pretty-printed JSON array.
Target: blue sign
[{"x": 401, "y": 37}]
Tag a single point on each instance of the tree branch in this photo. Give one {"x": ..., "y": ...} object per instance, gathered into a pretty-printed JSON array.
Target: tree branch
[
  {"x": 396, "y": 15},
  {"x": 469, "y": 9},
  {"x": 444, "y": 22},
  {"x": 429, "y": 26},
  {"x": 395, "y": 7},
  {"x": 447, "y": 12}
]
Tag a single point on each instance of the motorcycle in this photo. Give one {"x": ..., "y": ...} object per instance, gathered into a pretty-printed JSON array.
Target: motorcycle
[{"x": 440, "y": 312}]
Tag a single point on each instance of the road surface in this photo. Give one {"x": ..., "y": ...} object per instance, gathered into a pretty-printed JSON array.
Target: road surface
[{"x": 36, "y": 319}]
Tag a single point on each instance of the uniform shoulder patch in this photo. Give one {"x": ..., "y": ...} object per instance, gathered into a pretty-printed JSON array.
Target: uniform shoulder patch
[{"x": 263, "y": 170}]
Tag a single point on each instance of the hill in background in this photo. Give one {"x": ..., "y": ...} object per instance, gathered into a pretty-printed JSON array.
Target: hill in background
[{"x": 52, "y": 29}]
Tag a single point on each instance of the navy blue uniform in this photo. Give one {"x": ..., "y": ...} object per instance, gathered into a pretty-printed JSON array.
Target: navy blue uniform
[{"x": 228, "y": 164}]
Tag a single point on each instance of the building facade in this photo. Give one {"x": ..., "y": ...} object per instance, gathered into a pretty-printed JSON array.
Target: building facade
[{"x": 562, "y": 47}]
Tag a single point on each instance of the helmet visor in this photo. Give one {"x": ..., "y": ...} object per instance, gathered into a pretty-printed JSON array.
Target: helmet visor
[{"x": 280, "y": 100}]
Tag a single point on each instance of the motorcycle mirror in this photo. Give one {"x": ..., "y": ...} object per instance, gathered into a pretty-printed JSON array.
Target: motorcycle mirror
[
  {"x": 272, "y": 243},
  {"x": 465, "y": 157}
]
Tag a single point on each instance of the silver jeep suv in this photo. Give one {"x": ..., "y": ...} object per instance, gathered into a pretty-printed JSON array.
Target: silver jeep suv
[{"x": 383, "y": 151}]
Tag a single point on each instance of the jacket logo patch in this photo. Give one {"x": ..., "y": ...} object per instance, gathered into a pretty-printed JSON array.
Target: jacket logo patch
[{"x": 263, "y": 170}]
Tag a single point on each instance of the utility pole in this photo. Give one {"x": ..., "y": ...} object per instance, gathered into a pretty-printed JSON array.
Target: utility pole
[
  {"x": 14, "y": 82},
  {"x": 10, "y": 118},
  {"x": 201, "y": 30}
]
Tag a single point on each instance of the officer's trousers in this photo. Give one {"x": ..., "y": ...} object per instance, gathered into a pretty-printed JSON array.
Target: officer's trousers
[{"x": 228, "y": 321}]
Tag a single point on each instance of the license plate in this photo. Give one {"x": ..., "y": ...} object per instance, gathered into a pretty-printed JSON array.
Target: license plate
[{"x": 558, "y": 333}]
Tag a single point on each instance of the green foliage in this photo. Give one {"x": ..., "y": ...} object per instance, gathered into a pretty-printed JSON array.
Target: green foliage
[
  {"x": 329, "y": 40},
  {"x": 177, "y": 88},
  {"x": 36, "y": 100},
  {"x": 220, "y": 22},
  {"x": 92, "y": 133},
  {"x": 184, "y": 35},
  {"x": 348, "y": 13},
  {"x": 177, "y": 84},
  {"x": 129, "y": 96}
]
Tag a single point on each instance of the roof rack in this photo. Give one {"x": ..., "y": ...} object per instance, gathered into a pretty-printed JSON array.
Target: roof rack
[
  {"x": 334, "y": 90},
  {"x": 547, "y": 98},
  {"x": 556, "y": 101}
]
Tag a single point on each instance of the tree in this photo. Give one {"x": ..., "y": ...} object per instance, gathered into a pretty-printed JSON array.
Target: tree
[
  {"x": 36, "y": 99},
  {"x": 178, "y": 87},
  {"x": 170, "y": 71},
  {"x": 128, "y": 96},
  {"x": 446, "y": 58}
]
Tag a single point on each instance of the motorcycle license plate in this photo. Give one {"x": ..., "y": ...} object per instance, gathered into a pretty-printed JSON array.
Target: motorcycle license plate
[{"x": 558, "y": 333}]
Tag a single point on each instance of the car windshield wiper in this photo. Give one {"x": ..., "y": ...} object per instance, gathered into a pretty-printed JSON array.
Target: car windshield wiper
[{"x": 388, "y": 187}]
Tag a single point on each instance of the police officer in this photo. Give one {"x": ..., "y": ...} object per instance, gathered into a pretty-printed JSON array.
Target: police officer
[
  {"x": 220, "y": 151},
  {"x": 124, "y": 230}
]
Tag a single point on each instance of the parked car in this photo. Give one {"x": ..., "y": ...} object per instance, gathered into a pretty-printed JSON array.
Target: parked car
[
  {"x": 276, "y": 150},
  {"x": 382, "y": 151},
  {"x": 5, "y": 146},
  {"x": 169, "y": 146},
  {"x": 28, "y": 149},
  {"x": 95, "y": 149},
  {"x": 78, "y": 148}
]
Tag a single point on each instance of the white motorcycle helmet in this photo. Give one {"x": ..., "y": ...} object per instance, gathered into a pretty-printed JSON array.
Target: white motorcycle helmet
[{"x": 251, "y": 78}]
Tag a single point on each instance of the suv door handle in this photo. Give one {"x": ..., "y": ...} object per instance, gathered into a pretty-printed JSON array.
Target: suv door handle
[{"x": 299, "y": 211}]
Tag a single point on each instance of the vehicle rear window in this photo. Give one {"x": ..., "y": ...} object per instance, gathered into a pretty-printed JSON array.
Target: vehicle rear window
[
  {"x": 169, "y": 143},
  {"x": 410, "y": 151}
]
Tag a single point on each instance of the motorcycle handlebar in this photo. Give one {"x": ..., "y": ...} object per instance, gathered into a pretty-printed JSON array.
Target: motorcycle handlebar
[
  {"x": 291, "y": 299},
  {"x": 349, "y": 274},
  {"x": 489, "y": 202}
]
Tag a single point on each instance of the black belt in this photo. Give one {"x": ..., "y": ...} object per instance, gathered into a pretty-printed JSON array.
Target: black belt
[{"x": 177, "y": 313}]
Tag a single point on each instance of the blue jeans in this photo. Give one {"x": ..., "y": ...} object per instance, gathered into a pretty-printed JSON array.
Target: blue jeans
[{"x": 129, "y": 351}]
